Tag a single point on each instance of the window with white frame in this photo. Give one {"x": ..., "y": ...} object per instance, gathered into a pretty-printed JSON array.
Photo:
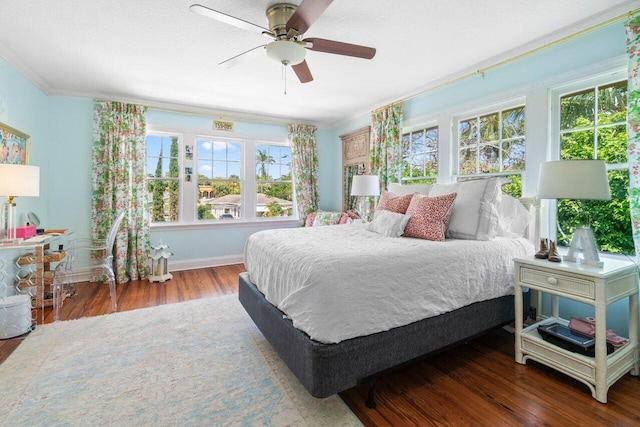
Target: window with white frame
[
  {"x": 590, "y": 123},
  {"x": 218, "y": 165},
  {"x": 420, "y": 156},
  {"x": 163, "y": 176},
  {"x": 215, "y": 180},
  {"x": 493, "y": 143},
  {"x": 274, "y": 189}
]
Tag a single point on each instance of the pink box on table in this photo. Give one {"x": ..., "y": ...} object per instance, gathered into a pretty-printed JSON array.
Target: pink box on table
[{"x": 26, "y": 231}]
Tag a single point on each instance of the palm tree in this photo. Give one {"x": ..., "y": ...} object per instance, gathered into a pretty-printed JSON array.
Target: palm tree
[{"x": 263, "y": 159}]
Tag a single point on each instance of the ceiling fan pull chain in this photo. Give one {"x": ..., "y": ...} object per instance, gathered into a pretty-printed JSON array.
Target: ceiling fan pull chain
[{"x": 284, "y": 76}]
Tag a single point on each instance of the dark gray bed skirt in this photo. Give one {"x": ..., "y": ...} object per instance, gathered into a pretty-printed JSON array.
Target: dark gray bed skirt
[{"x": 326, "y": 369}]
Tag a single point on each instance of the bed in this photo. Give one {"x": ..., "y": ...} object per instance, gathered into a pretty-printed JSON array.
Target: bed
[{"x": 342, "y": 304}]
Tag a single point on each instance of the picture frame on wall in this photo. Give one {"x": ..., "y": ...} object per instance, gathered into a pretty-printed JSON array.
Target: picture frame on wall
[{"x": 14, "y": 146}]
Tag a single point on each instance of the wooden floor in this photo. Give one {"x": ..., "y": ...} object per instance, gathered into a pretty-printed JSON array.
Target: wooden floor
[{"x": 477, "y": 383}]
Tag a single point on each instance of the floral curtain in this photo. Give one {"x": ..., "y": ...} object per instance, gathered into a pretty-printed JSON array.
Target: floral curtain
[
  {"x": 119, "y": 171},
  {"x": 350, "y": 202},
  {"x": 633, "y": 125},
  {"x": 304, "y": 165},
  {"x": 385, "y": 154}
]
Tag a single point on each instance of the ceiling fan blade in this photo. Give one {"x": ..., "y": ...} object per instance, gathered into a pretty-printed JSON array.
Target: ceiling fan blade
[
  {"x": 306, "y": 14},
  {"x": 242, "y": 57},
  {"x": 228, "y": 19},
  {"x": 303, "y": 72},
  {"x": 339, "y": 48}
]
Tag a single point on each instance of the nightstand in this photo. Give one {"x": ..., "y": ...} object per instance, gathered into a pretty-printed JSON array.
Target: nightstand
[{"x": 598, "y": 287}]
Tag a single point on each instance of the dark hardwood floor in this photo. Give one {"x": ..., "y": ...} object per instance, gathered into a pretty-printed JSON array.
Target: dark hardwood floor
[{"x": 477, "y": 383}]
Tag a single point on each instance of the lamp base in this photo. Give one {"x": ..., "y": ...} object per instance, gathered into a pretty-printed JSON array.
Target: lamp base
[
  {"x": 584, "y": 241},
  {"x": 363, "y": 208}
]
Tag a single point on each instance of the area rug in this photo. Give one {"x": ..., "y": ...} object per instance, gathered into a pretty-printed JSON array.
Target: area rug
[{"x": 200, "y": 362}]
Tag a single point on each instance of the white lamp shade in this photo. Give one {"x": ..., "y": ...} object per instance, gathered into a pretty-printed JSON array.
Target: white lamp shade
[
  {"x": 365, "y": 185},
  {"x": 574, "y": 179},
  {"x": 286, "y": 52},
  {"x": 19, "y": 180}
]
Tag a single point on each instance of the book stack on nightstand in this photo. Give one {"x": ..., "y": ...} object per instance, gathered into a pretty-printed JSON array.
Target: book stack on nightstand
[{"x": 598, "y": 287}]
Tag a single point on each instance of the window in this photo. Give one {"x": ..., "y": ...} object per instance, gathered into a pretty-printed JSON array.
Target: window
[
  {"x": 493, "y": 144},
  {"x": 420, "y": 156},
  {"x": 592, "y": 125},
  {"x": 200, "y": 179},
  {"x": 218, "y": 179},
  {"x": 163, "y": 182},
  {"x": 274, "y": 185}
]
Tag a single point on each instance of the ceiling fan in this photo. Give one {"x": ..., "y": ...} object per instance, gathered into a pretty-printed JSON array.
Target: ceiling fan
[{"x": 287, "y": 24}]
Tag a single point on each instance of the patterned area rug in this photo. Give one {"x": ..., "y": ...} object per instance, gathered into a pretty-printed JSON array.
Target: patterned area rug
[{"x": 200, "y": 362}]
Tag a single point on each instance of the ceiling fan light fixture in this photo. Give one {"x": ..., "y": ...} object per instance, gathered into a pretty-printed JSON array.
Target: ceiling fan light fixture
[{"x": 286, "y": 52}]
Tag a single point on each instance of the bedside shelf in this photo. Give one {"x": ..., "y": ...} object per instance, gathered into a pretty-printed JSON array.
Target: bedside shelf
[{"x": 598, "y": 287}]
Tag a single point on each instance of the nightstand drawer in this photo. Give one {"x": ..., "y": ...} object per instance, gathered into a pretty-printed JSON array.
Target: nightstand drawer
[{"x": 557, "y": 282}]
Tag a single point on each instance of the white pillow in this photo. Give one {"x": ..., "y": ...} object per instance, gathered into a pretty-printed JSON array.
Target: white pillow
[
  {"x": 513, "y": 218},
  {"x": 475, "y": 210},
  {"x": 401, "y": 190},
  {"x": 388, "y": 223}
]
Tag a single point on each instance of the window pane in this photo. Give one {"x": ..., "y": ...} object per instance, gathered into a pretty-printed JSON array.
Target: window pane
[
  {"x": 612, "y": 99},
  {"x": 576, "y": 145},
  {"x": 577, "y": 106},
  {"x": 163, "y": 170},
  {"x": 489, "y": 127},
  {"x": 274, "y": 187},
  {"x": 431, "y": 164},
  {"x": 420, "y": 155},
  {"x": 205, "y": 169},
  {"x": 219, "y": 185},
  {"x": 501, "y": 146},
  {"x": 468, "y": 132},
  {"x": 513, "y": 155},
  {"x": 489, "y": 158},
  {"x": 431, "y": 140},
  {"x": 417, "y": 142},
  {"x": 468, "y": 161},
  {"x": 513, "y": 123},
  {"x": 274, "y": 199},
  {"x": 612, "y": 144},
  {"x": 219, "y": 200},
  {"x": 205, "y": 149},
  {"x": 163, "y": 196}
]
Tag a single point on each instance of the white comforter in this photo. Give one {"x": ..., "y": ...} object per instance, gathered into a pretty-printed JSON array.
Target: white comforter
[{"x": 341, "y": 282}]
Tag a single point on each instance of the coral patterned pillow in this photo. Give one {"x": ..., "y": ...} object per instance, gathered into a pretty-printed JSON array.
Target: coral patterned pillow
[
  {"x": 353, "y": 215},
  {"x": 344, "y": 217},
  {"x": 429, "y": 216},
  {"x": 390, "y": 202}
]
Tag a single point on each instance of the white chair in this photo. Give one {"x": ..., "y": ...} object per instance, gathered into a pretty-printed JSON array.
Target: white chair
[{"x": 77, "y": 269}]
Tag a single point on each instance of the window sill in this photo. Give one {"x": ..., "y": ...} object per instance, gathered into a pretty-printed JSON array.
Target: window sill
[{"x": 224, "y": 224}]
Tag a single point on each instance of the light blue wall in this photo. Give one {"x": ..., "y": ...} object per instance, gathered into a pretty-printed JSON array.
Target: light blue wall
[{"x": 24, "y": 108}]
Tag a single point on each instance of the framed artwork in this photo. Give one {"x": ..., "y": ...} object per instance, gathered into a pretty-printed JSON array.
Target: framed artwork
[{"x": 14, "y": 146}]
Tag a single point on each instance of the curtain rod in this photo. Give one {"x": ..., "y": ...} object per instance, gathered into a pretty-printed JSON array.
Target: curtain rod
[{"x": 481, "y": 71}]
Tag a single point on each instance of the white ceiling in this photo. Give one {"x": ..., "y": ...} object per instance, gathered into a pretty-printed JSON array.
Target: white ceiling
[{"x": 160, "y": 53}]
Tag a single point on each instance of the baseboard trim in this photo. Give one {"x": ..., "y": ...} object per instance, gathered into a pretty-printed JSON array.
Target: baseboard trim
[{"x": 192, "y": 264}]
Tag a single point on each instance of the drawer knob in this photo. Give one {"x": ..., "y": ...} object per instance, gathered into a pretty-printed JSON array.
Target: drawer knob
[{"x": 552, "y": 280}]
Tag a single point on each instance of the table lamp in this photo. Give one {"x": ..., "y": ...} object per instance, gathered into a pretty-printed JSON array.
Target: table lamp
[
  {"x": 364, "y": 186},
  {"x": 16, "y": 181},
  {"x": 581, "y": 180}
]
